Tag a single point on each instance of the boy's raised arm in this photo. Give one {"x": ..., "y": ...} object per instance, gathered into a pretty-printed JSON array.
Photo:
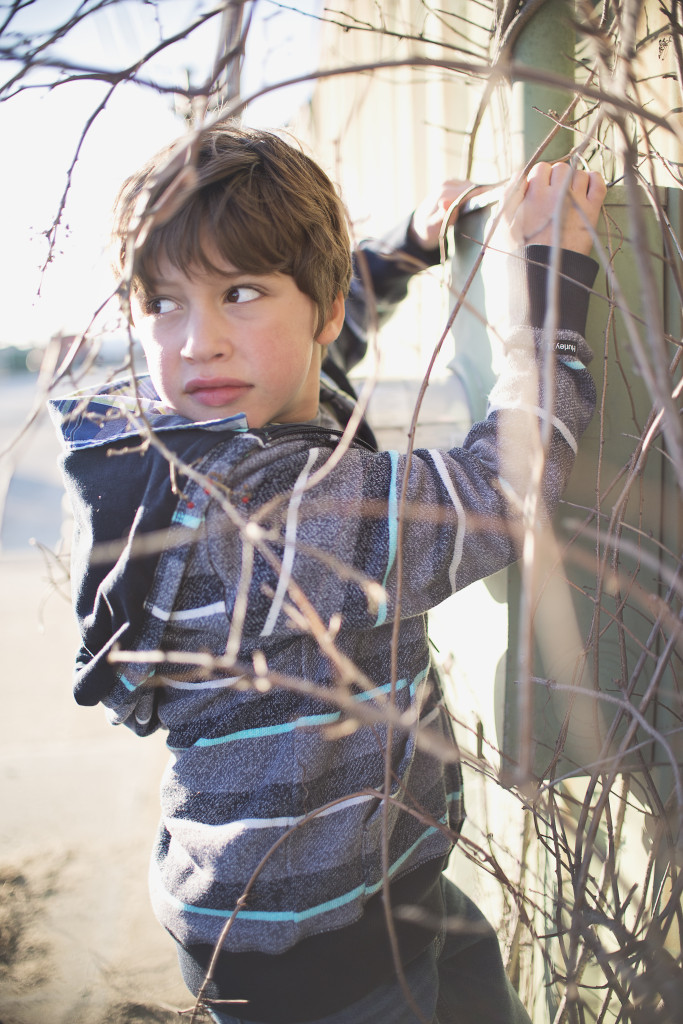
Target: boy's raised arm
[
  {"x": 553, "y": 206},
  {"x": 388, "y": 264},
  {"x": 533, "y": 209},
  {"x": 463, "y": 511}
]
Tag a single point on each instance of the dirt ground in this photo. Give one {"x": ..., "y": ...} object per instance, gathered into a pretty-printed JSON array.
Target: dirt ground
[
  {"x": 79, "y": 943},
  {"x": 79, "y": 801}
]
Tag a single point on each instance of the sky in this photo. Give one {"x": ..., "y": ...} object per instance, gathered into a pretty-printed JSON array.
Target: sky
[{"x": 40, "y": 129}]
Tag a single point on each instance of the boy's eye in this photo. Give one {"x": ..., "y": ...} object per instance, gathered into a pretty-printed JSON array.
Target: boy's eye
[
  {"x": 242, "y": 293},
  {"x": 158, "y": 306}
]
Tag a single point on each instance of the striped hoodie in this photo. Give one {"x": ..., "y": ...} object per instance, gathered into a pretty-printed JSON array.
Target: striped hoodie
[{"x": 262, "y": 595}]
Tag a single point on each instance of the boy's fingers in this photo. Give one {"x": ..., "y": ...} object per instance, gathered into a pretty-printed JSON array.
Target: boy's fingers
[
  {"x": 584, "y": 183},
  {"x": 539, "y": 177},
  {"x": 452, "y": 197},
  {"x": 553, "y": 197},
  {"x": 559, "y": 172},
  {"x": 541, "y": 172},
  {"x": 597, "y": 189},
  {"x": 512, "y": 198},
  {"x": 580, "y": 181}
]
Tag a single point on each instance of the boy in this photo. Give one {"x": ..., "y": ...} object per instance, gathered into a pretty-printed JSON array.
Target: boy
[{"x": 254, "y": 606}]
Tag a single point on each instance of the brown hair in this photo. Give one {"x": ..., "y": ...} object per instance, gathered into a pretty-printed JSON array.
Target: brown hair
[{"x": 263, "y": 204}]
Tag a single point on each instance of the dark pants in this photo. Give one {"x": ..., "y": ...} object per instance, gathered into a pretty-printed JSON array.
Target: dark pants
[{"x": 459, "y": 979}]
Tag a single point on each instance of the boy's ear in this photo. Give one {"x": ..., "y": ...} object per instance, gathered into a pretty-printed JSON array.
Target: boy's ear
[{"x": 333, "y": 325}]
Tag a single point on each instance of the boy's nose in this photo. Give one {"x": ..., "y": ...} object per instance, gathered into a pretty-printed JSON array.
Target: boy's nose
[{"x": 207, "y": 338}]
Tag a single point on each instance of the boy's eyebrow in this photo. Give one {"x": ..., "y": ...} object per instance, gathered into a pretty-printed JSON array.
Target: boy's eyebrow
[{"x": 155, "y": 283}]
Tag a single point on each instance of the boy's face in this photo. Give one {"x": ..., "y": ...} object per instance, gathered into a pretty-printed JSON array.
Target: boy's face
[{"x": 232, "y": 342}]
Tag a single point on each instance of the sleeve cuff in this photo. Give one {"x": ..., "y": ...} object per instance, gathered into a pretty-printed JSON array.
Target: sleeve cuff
[{"x": 528, "y": 275}]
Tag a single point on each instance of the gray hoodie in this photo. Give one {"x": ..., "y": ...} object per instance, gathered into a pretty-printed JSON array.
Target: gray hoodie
[{"x": 266, "y": 602}]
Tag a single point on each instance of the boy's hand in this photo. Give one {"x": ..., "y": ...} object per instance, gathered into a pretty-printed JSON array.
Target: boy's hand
[
  {"x": 552, "y": 191},
  {"x": 427, "y": 221}
]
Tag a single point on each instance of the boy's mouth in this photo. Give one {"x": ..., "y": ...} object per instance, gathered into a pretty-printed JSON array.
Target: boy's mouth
[{"x": 216, "y": 391}]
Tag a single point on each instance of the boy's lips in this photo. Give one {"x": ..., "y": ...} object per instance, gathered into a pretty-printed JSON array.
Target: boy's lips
[{"x": 216, "y": 391}]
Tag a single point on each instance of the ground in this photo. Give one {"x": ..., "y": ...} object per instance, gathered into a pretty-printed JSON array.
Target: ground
[{"x": 79, "y": 943}]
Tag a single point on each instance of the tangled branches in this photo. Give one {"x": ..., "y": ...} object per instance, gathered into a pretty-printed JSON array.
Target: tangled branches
[{"x": 588, "y": 763}]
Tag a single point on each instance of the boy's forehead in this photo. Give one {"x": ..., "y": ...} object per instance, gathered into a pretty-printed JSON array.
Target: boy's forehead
[
  {"x": 202, "y": 259},
  {"x": 164, "y": 269}
]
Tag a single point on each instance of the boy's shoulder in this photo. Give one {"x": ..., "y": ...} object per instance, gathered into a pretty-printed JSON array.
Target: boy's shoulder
[
  {"x": 121, "y": 410},
  {"x": 122, "y": 447}
]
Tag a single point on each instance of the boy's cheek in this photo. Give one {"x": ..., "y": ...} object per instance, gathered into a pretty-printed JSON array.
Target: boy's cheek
[
  {"x": 153, "y": 356},
  {"x": 147, "y": 338}
]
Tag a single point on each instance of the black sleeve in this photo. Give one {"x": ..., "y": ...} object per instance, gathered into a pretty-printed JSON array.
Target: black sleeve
[{"x": 529, "y": 286}]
